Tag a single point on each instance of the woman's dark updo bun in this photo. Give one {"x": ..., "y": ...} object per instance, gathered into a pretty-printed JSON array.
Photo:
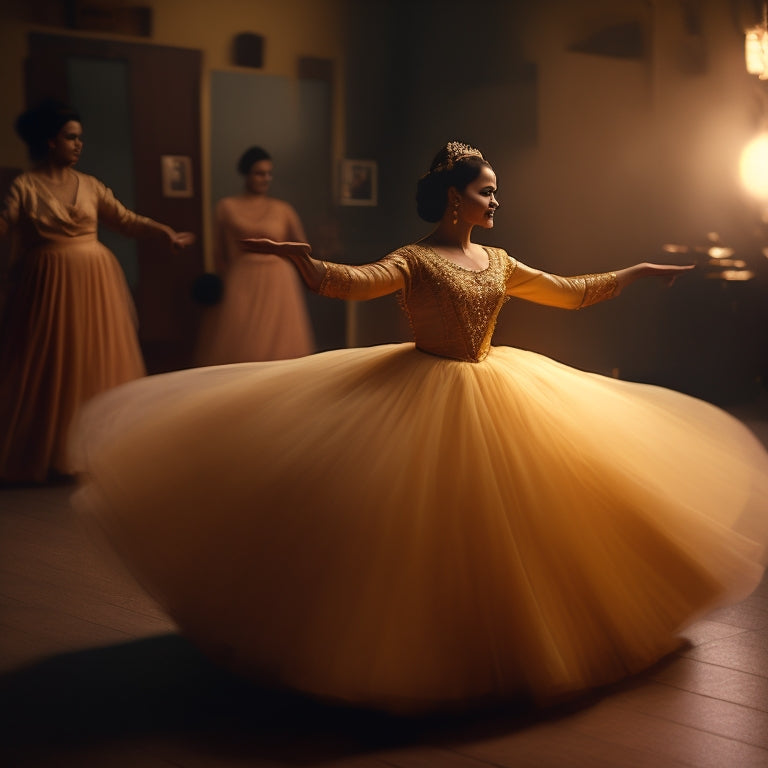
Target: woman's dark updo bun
[
  {"x": 249, "y": 157},
  {"x": 39, "y": 124}
]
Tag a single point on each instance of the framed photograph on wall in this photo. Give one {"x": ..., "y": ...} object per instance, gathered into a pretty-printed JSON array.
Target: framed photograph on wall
[
  {"x": 359, "y": 181},
  {"x": 176, "y": 172}
]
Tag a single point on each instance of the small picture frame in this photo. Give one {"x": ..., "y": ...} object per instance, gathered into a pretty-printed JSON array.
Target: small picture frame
[
  {"x": 359, "y": 182},
  {"x": 176, "y": 173}
]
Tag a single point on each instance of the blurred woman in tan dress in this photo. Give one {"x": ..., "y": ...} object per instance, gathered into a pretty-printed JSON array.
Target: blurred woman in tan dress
[
  {"x": 68, "y": 326},
  {"x": 263, "y": 313}
]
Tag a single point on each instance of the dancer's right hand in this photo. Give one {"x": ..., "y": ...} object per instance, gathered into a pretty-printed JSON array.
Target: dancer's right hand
[{"x": 286, "y": 250}]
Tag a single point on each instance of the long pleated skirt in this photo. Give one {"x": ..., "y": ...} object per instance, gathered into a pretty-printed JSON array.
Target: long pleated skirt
[{"x": 68, "y": 332}]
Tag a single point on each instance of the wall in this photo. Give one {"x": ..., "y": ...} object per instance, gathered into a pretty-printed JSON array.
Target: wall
[
  {"x": 632, "y": 154},
  {"x": 609, "y": 152},
  {"x": 291, "y": 29}
]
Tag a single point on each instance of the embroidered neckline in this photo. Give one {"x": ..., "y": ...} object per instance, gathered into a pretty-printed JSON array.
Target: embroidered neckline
[{"x": 454, "y": 264}]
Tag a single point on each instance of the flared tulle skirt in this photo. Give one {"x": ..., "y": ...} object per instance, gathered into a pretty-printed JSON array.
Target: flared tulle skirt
[
  {"x": 397, "y": 530},
  {"x": 68, "y": 332}
]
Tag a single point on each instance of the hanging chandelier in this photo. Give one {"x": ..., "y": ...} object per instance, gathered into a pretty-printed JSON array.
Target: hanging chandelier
[{"x": 756, "y": 47}]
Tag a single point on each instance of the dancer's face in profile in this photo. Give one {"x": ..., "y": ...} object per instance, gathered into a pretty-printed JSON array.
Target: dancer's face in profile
[
  {"x": 66, "y": 146},
  {"x": 478, "y": 200},
  {"x": 259, "y": 178}
]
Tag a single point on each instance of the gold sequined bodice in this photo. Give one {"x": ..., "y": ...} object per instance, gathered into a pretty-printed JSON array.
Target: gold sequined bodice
[{"x": 453, "y": 310}]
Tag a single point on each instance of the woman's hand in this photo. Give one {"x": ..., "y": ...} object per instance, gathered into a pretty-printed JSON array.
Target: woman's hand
[
  {"x": 286, "y": 250},
  {"x": 311, "y": 270},
  {"x": 180, "y": 240},
  {"x": 666, "y": 272}
]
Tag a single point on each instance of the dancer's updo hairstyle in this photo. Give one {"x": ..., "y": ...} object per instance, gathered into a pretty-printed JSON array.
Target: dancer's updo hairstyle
[
  {"x": 41, "y": 123},
  {"x": 455, "y": 165},
  {"x": 249, "y": 157}
]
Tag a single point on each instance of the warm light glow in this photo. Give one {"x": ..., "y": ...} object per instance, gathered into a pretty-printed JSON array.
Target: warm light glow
[
  {"x": 756, "y": 51},
  {"x": 754, "y": 166},
  {"x": 732, "y": 275},
  {"x": 718, "y": 252},
  {"x": 674, "y": 248}
]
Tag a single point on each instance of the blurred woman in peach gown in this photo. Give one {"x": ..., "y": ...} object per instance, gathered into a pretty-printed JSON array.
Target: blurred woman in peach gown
[
  {"x": 263, "y": 313},
  {"x": 68, "y": 326}
]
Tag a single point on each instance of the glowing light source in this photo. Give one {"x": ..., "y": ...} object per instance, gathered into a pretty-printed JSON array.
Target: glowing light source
[
  {"x": 754, "y": 166},
  {"x": 719, "y": 252},
  {"x": 756, "y": 47},
  {"x": 717, "y": 259},
  {"x": 674, "y": 248},
  {"x": 756, "y": 52},
  {"x": 732, "y": 275}
]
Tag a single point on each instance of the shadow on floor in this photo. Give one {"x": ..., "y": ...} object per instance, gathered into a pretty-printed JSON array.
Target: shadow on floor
[{"x": 164, "y": 686}]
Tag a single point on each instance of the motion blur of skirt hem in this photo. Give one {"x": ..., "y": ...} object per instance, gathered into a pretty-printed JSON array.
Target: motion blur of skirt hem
[{"x": 401, "y": 531}]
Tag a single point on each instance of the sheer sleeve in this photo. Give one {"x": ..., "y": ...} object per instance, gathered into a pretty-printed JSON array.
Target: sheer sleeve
[
  {"x": 369, "y": 281},
  {"x": 116, "y": 215},
  {"x": 11, "y": 217},
  {"x": 565, "y": 292},
  {"x": 11, "y": 208}
]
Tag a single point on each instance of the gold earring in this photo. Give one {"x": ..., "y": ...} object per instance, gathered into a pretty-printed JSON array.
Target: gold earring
[{"x": 455, "y": 219}]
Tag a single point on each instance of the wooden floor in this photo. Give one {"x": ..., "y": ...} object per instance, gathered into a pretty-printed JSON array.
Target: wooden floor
[{"x": 93, "y": 675}]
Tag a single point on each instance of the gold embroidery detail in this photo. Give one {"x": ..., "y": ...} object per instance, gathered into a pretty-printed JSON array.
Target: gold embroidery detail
[
  {"x": 598, "y": 287},
  {"x": 452, "y": 310},
  {"x": 336, "y": 281}
]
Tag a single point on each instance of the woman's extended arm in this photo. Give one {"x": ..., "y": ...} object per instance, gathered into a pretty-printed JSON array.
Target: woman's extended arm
[
  {"x": 116, "y": 215},
  {"x": 582, "y": 290},
  {"x": 341, "y": 281}
]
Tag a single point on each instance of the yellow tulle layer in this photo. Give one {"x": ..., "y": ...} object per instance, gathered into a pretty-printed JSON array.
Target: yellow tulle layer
[{"x": 403, "y": 531}]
